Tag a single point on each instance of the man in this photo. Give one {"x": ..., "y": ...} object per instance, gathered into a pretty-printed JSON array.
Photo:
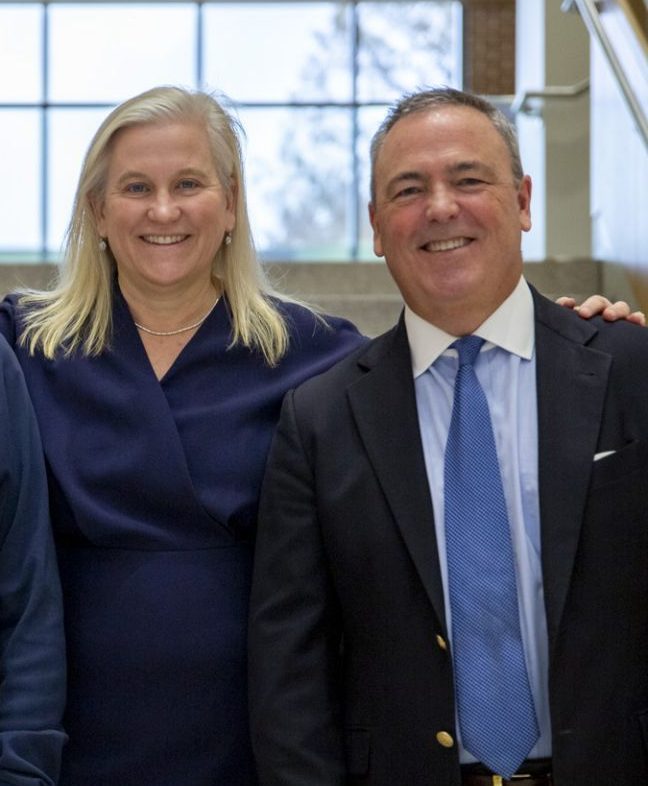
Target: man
[
  {"x": 413, "y": 624},
  {"x": 32, "y": 657}
]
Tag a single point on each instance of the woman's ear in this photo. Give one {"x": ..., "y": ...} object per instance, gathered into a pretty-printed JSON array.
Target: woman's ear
[
  {"x": 231, "y": 197},
  {"x": 96, "y": 208}
]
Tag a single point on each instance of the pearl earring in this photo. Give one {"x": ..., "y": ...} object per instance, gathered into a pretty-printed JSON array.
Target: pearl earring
[
  {"x": 228, "y": 238},
  {"x": 102, "y": 245}
]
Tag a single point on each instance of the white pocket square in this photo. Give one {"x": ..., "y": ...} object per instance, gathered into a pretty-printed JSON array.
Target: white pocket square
[{"x": 603, "y": 454}]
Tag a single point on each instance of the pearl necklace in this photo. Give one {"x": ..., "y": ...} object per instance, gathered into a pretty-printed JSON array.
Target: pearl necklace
[{"x": 179, "y": 330}]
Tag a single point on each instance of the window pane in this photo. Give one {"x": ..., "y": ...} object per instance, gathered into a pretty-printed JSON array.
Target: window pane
[
  {"x": 20, "y": 199},
  {"x": 70, "y": 132},
  {"x": 298, "y": 170},
  {"x": 307, "y": 166},
  {"x": 20, "y": 52},
  {"x": 259, "y": 52},
  {"x": 109, "y": 52},
  {"x": 403, "y": 46},
  {"x": 368, "y": 121}
]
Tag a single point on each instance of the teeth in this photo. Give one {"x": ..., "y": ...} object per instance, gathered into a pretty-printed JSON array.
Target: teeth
[
  {"x": 163, "y": 240},
  {"x": 447, "y": 245}
]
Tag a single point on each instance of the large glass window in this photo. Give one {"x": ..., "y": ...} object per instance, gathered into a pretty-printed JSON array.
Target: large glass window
[{"x": 308, "y": 80}]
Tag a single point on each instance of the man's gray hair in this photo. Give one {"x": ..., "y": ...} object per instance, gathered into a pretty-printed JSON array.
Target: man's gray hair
[{"x": 434, "y": 98}]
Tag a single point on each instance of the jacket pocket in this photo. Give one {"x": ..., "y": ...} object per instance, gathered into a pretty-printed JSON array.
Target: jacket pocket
[
  {"x": 357, "y": 748},
  {"x": 630, "y": 458}
]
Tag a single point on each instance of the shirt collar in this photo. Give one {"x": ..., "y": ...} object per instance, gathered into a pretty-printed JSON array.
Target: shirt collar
[{"x": 511, "y": 327}]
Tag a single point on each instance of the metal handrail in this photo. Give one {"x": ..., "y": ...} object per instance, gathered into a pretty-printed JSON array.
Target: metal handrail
[
  {"x": 521, "y": 100},
  {"x": 590, "y": 16}
]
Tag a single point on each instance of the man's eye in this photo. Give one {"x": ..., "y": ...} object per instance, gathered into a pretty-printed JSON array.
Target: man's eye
[
  {"x": 408, "y": 191},
  {"x": 470, "y": 181}
]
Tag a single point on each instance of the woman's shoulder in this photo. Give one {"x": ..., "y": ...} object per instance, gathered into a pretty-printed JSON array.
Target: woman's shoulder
[
  {"x": 316, "y": 341},
  {"x": 309, "y": 328},
  {"x": 305, "y": 320}
]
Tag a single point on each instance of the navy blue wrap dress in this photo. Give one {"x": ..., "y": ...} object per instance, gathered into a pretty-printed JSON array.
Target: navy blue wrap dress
[{"x": 153, "y": 491}]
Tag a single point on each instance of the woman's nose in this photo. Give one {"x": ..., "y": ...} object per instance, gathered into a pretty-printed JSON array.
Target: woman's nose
[{"x": 163, "y": 208}]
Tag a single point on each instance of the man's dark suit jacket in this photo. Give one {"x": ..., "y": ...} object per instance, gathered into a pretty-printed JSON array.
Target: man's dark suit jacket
[{"x": 351, "y": 677}]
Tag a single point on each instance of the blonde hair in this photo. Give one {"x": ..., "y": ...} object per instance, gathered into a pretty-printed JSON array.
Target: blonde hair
[{"x": 76, "y": 314}]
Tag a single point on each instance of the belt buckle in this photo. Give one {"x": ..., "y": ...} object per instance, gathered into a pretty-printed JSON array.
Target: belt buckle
[{"x": 498, "y": 780}]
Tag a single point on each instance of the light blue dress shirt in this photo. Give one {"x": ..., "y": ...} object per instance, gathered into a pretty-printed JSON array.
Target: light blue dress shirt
[{"x": 506, "y": 370}]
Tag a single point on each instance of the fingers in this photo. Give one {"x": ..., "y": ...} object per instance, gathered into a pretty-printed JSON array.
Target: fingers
[
  {"x": 621, "y": 310},
  {"x": 638, "y": 317},
  {"x": 598, "y": 304},
  {"x": 569, "y": 302}
]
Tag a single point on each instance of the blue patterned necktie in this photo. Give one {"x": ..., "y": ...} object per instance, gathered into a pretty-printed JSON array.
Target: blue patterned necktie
[{"x": 495, "y": 706}]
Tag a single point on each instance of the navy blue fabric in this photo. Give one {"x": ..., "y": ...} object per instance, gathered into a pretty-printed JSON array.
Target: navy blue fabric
[
  {"x": 154, "y": 488},
  {"x": 32, "y": 657}
]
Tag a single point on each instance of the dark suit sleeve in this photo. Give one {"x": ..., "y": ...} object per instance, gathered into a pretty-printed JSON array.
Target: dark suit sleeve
[
  {"x": 294, "y": 628},
  {"x": 32, "y": 658}
]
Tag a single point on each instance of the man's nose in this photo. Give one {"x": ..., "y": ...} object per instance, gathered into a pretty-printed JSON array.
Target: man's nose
[{"x": 441, "y": 204}]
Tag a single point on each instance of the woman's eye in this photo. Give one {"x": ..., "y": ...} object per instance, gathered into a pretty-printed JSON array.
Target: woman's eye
[
  {"x": 187, "y": 185},
  {"x": 136, "y": 188}
]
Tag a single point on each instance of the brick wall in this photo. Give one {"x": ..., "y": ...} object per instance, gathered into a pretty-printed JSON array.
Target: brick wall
[{"x": 489, "y": 46}]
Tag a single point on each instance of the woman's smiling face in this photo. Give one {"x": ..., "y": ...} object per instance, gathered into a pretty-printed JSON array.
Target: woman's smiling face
[{"x": 165, "y": 212}]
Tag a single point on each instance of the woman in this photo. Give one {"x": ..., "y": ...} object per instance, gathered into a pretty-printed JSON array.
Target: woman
[{"x": 157, "y": 367}]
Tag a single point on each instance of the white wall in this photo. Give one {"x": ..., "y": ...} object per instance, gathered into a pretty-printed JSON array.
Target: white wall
[
  {"x": 552, "y": 49},
  {"x": 619, "y": 165}
]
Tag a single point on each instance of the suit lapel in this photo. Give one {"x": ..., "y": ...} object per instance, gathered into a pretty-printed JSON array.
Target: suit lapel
[
  {"x": 572, "y": 384},
  {"x": 384, "y": 406}
]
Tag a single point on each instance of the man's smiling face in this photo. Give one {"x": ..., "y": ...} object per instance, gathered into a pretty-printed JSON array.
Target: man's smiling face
[{"x": 448, "y": 215}]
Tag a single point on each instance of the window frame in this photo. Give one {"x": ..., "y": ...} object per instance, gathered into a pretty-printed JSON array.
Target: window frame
[{"x": 357, "y": 209}]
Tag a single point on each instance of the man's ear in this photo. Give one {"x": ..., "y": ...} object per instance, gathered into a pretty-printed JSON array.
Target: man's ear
[
  {"x": 373, "y": 220},
  {"x": 524, "y": 203}
]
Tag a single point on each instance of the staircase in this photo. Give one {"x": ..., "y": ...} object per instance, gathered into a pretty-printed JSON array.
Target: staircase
[{"x": 365, "y": 293}]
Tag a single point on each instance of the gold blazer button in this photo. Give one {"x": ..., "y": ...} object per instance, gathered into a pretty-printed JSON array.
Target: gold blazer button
[
  {"x": 441, "y": 642},
  {"x": 445, "y": 739}
]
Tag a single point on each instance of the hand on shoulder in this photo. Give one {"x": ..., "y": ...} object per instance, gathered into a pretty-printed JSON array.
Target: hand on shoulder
[{"x": 598, "y": 304}]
